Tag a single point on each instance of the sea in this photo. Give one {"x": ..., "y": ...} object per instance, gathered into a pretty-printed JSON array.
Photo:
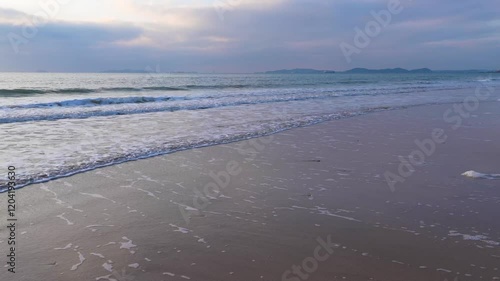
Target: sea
[{"x": 57, "y": 124}]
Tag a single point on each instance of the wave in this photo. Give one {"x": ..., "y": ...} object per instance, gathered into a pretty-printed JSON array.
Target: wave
[
  {"x": 158, "y": 107},
  {"x": 91, "y": 102},
  {"x": 20, "y": 92},
  {"x": 27, "y": 92},
  {"x": 355, "y": 82},
  {"x": 162, "y": 88},
  {"x": 487, "y": 79},
  {"x": 101, "y": 107},
  {"x": 148, "y": 99},
  {"x": 220, "y": 86},
  {"x": 33, "y": 91},
  {"x": 283, "y": 125}
]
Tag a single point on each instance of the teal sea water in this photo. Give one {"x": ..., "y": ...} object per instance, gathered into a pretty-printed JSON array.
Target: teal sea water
[{"x": 58, "y": 124}]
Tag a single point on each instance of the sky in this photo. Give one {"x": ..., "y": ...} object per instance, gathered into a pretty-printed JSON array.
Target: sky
[{"x": 241, "y": 36}]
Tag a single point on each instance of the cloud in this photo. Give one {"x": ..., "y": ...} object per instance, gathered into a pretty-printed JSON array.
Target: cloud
[
  {"x": 253, "y": 35},
  {"x": 9, "y": 16}
]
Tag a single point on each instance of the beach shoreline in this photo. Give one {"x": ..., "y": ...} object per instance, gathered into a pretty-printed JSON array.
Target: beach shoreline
[
  {"x": 64, "y": 172},
  {"x": 253, "y": 209}
]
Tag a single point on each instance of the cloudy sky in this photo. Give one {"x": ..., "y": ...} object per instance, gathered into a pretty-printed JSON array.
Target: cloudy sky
[{"x": 246, "y": 35}]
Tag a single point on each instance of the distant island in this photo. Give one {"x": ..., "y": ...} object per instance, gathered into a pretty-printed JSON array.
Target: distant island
[
  {"x": 297, "y": 71},
  {"x": 145, "y": 71},
  {"x": 373, "y": 71},
  {"x": 387, "y": 70},
  {"x": 125, "y": 71},
  {"x": 352, "y": 71}
]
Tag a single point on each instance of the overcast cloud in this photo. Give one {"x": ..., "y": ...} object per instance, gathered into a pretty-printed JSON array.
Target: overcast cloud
[{"x": 246, "y": 35}]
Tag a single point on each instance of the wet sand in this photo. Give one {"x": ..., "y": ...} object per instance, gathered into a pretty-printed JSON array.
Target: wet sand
[{"x": 307, "y": 204}]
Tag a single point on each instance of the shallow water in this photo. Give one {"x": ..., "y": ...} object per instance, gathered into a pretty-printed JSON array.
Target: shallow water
[{"x": 57, "y": 124}]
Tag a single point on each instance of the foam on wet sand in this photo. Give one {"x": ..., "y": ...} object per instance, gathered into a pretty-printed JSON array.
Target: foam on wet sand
[{"x": 477, "y": 175}]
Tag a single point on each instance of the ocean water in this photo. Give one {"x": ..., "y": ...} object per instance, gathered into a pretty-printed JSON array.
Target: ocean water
[{"x": 53, "y": 125}]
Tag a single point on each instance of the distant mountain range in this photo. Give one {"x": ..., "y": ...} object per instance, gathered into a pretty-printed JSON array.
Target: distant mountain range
[
  {"x": 142, "y": 71},
  {"x": 352, "y": 71},
  {"x": 387, "y": 70},
  {"x": 372, "y": 71},
  {"x": 125, "y": 71},
  {"x": 298, "y": 71}
]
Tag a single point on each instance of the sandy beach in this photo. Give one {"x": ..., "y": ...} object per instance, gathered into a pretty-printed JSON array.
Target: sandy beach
[{"x": 311, "y": 203}]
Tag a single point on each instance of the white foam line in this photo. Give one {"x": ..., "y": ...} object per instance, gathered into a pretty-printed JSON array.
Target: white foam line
[
  {"x": 326, "y": 212},
  {"x": 148, "y": 193},
  {"x": 127, "y": 245},
  {"x": 481, "y": 238},
  {"x": 299, "y": 207},
  {"x": 477, "y": 175},
  {"x": 106, "y": 277},
  {"x": 186, "y": 207},
  {"x": 59, "y": 201},
  {"x": 180, "y": 229},
  {"x": 61, "y": 216},
  {"x": 98, "y": 255},
  {"x": 81, "y": 258},
  {"x": 65, "y": 247},
  {"x": 97, "y": 196},
  {"x": 108, "y": 267},
  {"x": 444, "y": 270},
  {"x": 98, "y": 225},
  {"x": 323, "y": 211}
]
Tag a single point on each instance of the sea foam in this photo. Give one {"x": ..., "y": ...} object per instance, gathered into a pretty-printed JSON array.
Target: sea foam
[{"x": 477, "y": 175}]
